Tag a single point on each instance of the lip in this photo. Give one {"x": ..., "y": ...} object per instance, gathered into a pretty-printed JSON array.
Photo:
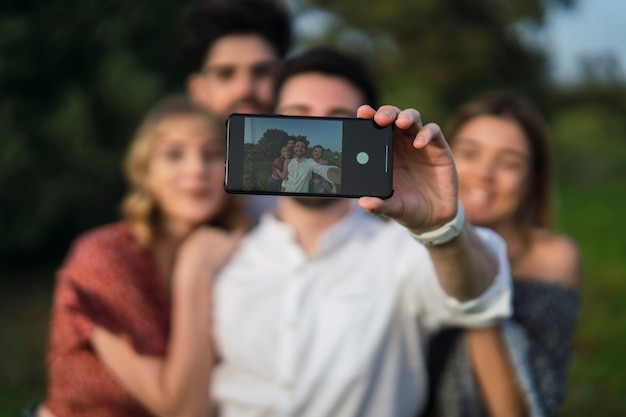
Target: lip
[{"x": 197, "y": 194}]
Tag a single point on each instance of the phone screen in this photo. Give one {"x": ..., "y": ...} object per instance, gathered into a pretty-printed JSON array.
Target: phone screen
[{"x": 302, "y": 155}]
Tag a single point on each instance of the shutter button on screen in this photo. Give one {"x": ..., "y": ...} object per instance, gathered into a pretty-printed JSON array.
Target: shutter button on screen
[{"x": 362, "y": 158}]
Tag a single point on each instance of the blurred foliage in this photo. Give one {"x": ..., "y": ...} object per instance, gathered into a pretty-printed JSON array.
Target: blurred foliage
[
  {"x": 75, "y": 78},
  {"x": 458, "y": 47}
]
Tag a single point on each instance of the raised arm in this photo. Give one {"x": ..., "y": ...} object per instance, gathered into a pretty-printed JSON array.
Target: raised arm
[{"x": 426, "y": 198}]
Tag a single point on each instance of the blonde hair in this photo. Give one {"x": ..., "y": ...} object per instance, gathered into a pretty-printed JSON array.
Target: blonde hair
[{"x": 139, "y": 208}]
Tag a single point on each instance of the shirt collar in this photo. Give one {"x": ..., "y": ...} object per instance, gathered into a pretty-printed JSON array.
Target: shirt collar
[{"x": 356, "y": 224}]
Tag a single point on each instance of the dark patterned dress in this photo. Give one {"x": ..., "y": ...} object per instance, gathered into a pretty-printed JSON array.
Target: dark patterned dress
[{"x": 538, "y": 339}]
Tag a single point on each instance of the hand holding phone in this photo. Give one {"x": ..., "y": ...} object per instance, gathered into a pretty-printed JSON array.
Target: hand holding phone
[{"x": 308, "y": 156}]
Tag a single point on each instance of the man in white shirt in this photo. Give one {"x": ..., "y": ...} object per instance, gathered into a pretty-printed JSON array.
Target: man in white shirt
[
  {"x": 300, "y": 168},
  {"x": 325, "y": 309}
]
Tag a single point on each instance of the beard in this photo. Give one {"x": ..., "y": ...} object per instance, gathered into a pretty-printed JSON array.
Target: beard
[{"x": 316, "y": 202}]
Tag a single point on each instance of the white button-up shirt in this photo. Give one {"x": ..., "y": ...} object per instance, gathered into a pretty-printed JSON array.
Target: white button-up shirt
[
  {"x": 300, "y": 174},
  {"x": 339, "y": 333}
]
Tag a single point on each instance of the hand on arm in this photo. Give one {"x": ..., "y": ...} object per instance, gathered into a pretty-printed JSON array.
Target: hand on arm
[
  {"x": 177, "y": 384},
  {"x": 334, "y": 175},
  {"x": 425, "y": 198},
  {"x": 286, "y": 169}
]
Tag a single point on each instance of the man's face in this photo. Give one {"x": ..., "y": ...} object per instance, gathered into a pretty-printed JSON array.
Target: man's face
[
  {"x": 237, "y": 76},
  {"x": 299, "y": 149},
  {"x": 316, "y": 94}
]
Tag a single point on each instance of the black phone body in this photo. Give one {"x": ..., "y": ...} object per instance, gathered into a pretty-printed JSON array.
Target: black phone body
[{"x": 356, "y": 156}]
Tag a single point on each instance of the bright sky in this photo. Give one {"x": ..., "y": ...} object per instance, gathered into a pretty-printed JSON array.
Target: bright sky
[
  {"x": 593, "y": 27},
  {"x": 327, "y": 133}
]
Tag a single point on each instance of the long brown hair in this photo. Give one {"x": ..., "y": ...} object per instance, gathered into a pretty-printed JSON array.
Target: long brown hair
[
  {"x": 139, "y": 208},
  {"x": 536, "y": 208}
]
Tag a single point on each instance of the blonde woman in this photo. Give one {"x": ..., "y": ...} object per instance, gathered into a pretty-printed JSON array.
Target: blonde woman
[{"x": 130, "y": 329}]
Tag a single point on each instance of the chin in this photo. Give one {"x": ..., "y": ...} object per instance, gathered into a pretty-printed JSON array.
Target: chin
[{"x": 316, "y": 202}]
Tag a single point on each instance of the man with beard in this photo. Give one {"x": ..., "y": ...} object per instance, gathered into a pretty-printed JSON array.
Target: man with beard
[
  {"x": 232, "y": 50},
  {"x": 300, "y": 170},
  {"x": 325, "y": 308}
]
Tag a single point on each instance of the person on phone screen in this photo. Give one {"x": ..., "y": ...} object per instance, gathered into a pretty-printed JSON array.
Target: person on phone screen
[
  {"x": 300, "y": 169},
  {"x": 518, "y": 367},
  {"x": 130, "y": 334},
  {"x": 231, "y": 51},
  {"x": 324, "y": 310},
  {"x": 318, "y": 184},
  {"x": 275, "y": 180}
]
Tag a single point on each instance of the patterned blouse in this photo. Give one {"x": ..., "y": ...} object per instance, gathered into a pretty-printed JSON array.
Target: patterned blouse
[{"x": 108, "y": 281}]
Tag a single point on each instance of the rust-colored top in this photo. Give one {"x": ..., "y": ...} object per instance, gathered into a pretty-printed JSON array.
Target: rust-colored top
[{"x": 108, "y": 281}]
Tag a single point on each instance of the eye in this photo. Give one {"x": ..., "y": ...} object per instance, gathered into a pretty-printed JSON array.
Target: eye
[
  {"x": 465, "y": 153},
  {"x": 263, "y": 71},
  {"x": 174, "y": 155},
  {"x": 511, "y": 164},
  {"x": 213, "y": 155},
  {"x": 222, "y": 74}
]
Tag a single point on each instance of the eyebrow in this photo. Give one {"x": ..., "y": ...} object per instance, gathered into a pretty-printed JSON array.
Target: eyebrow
[
  {"x": 227, "y": 66},
  {"x": 472, "y": 143}
]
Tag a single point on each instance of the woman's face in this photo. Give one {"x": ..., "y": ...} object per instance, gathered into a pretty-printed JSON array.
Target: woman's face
[
  {"x": 285, "y": 153},
  {"x": 186, "y": 172},
  {"x": 316, "y": 153},
  {"x": 492, "y": 157}
]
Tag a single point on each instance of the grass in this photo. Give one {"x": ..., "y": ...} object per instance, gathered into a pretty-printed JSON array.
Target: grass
[
  {"x": 25, "y": 300},
  {"x": 592, "y": 215}
]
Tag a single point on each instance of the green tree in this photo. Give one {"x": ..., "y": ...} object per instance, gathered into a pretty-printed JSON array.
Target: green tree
[
  {"x": 269, "y": 144},
  {"x": 75, "y": 79},
  {"x": 457, "y": 47}
]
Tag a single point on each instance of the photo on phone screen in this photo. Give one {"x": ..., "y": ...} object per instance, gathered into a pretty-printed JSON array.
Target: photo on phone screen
[{"x": 299, "y": 155}]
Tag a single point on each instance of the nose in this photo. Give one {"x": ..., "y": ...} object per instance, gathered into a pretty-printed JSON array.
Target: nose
[
  {"x": 486, "y": 170},
  {"x": 197, "y": 164},
  {"x": 245, "y": 84}
]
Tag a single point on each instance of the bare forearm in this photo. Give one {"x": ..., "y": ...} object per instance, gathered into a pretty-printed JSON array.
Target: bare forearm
[
  {"x": 176, "y": 384},
  {"x": 493, "y": 371},
  {"x": 187, "y": 369},
  {"x": 465, "y": 265}
]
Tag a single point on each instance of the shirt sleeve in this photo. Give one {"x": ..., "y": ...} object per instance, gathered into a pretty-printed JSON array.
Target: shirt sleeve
[
  {"x": 322, "y": 170},
  {"x": 492, "y": 305},
  {"x": 98, "y": 285}
]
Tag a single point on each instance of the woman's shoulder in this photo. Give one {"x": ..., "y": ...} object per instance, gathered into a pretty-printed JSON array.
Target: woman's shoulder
[
  {"x": 554, "y": 257},
  {"x": 109, "y": 235},
  {"x": 109, "y": 243}
]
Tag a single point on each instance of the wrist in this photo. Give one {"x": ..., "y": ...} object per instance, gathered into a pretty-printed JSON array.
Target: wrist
[{"x": 445, "y": 233}]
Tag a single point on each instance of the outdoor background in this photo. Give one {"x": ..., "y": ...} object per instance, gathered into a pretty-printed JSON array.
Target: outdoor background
[{"x": 76, "y": 77}]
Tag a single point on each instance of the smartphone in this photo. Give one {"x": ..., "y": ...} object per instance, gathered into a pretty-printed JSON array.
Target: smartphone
[{"x": 308, "y": 156}]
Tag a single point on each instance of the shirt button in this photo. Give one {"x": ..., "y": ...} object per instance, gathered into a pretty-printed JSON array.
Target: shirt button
[
  {"x": 292, "y": 324},
  {"x": 288, "y": 385}
]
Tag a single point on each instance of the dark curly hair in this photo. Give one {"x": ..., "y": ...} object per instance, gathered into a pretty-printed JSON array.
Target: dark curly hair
[
  {"x": 210, "y": 20},
  {"x": 331, "y": 62}
]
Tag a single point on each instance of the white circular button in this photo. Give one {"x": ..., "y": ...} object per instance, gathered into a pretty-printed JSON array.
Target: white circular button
[{"x": 362, "y": 158}]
